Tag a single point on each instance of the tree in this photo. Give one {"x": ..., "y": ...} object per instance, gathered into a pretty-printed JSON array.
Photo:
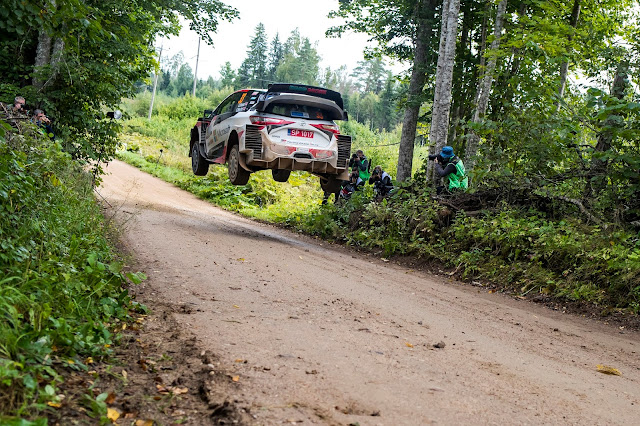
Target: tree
[
  {"x": 484, "y": 87},
  {"x": 446, "y": 57},
  {"x": 369, "y": 75},
  {"x": 183, "y": 82},
  {"x": 564, "y": 67},
  {"x": 101, "y": 49},
  {"x": 227, "y": 75},
  {"x": 403, "y": 30},
  {"x": 276, "y": 54},
  {"x": 253, "y": 71},
  {"x": 300, "y": 63}
]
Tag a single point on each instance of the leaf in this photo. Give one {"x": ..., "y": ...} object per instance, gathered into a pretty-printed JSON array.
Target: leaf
[
  {"x": 54, "y": 404},
  {"x": 113, "y": 414},
  {"x": 235, "y": 378},
  {"x": 240, "y": 259},
  {"x": 409, "y": 345},
  {"x": 179, "y": 391},
  {"x": 111, "y": 398},
  {"x": 605, "y": 369},
  {"x": 145, "y": 422}
]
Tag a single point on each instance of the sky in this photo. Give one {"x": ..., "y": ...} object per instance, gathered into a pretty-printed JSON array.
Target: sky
[{"x": 278, "y": 16}]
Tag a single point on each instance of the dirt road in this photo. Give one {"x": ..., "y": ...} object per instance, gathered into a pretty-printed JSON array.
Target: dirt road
[{"x": 317, "y": 334}]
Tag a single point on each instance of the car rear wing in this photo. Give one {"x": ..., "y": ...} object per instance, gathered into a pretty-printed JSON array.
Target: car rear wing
[{"x": 301, "y": 89}]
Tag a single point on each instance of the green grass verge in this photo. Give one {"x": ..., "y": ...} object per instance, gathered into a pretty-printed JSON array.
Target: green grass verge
[{"x": 62, "y": 298}]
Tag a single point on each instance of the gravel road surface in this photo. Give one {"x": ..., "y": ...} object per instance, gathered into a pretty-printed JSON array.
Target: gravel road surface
[{"x": 317, "y": 334}]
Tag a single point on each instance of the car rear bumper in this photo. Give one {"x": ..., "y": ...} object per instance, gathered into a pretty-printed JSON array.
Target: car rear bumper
[{"x": 261, "y": 155}]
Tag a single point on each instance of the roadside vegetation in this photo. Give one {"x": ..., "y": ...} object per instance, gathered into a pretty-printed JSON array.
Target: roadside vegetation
[
  {"x": 527, "y": 244},
  {"x": 62, "y": 295}
]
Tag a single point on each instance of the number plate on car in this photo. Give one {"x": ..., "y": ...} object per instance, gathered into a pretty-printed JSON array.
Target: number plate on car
[{"x": 300, "y": 133}]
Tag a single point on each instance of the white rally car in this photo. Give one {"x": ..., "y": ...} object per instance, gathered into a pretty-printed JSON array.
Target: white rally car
[{"x": 286, "y": 127}]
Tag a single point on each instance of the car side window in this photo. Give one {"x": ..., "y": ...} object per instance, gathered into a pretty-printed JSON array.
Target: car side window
[{"x": 229, "y": 104}]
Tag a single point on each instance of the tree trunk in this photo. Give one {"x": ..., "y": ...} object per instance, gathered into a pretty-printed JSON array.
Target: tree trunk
[
  {"x": 444, "y": 77},
  {"x": 597, "y": 175},
  {"x": 414, "y": 95},
  {"x": 43, "y": 57},
  {"x": 484, "y": 88},
  {"x": 564, "y": 68}
]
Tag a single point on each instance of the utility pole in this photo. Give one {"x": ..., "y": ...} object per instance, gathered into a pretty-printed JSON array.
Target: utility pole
[
  {"x": 195, "y": 73},
  {"x": 155, "y": 84}
]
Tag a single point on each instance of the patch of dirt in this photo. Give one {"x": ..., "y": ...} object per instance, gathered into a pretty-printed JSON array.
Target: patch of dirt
[{"x": 159, "y": 375}]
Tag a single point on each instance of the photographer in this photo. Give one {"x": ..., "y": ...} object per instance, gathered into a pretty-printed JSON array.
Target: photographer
[
  {"x": 18, "y": 106},
  {"x": 43, "y": 122},
  {"x": 381, "y": 182},
  {"x": 351, "y": 186},
  {"x": 449, "y": 166},
  {"x": 360, "y": 162}
]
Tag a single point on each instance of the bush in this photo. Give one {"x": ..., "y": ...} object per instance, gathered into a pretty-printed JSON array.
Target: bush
[{"x": 61, "y": 293}]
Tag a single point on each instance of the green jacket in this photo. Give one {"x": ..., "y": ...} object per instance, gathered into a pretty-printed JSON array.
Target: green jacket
[{"x": 459, "y": 179}]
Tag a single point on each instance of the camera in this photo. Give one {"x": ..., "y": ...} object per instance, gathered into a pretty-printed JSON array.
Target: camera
[{"x": 438, "y": 157}]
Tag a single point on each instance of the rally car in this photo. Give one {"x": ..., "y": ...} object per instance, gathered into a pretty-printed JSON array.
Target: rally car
[{"x": 286, "y": 127}]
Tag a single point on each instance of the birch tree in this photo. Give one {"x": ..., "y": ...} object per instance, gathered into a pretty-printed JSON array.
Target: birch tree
[
  {"x": 564, "y": 67},
  {"x": 444, "y": 77},
  {"x": 484, "y": 87}
]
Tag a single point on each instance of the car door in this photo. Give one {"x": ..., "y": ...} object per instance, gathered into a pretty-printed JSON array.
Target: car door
[{"x": 218, "y": 131}]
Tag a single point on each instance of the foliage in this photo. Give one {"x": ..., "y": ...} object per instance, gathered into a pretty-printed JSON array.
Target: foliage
[
  {"x": 520, "y": 250},
  {"x": 100, "y": 50},
  {"x": 61, "y": 292}
]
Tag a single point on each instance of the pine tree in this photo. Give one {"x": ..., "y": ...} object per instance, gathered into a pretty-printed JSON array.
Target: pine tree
[
  {"x": 253, "y": 71},
  {"x": 276, "y": 55}
]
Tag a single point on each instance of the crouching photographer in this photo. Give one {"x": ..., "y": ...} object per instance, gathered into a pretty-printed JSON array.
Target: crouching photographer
[
  {"x": 447, "y": 164},
  {"x": 351, "y": 186},
  {"x": 381, "y": 182}
]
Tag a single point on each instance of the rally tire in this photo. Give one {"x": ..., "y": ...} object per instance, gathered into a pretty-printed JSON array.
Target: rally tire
[
  {"x": 330, "y": 184},
  {"x": 199, "y": 164},
  {"x": 280, "y": 175},
  {"x": 237, "y": 175}
]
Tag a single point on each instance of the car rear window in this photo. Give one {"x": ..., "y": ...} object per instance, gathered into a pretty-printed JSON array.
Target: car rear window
[{"x": 298, "y": 111}]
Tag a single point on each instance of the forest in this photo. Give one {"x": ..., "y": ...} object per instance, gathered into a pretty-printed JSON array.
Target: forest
[{"x": 538, "y": 98}]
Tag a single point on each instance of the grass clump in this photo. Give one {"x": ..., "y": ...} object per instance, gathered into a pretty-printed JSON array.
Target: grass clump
[{"x": 61, "y": 292}]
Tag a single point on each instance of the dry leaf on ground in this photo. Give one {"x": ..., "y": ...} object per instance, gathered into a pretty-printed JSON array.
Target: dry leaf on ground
[
  {"x": 605, "y": 369},
  {"x": 113, "y": 414}
]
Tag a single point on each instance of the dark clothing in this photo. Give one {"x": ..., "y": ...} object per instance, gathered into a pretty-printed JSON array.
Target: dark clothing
[
  {"x": 350, "y": 187},
  {"x": 447, "y": 170},
  {"x": 361, "y": 164},
  {"x": 47, "y": 129},
  {"x": 382, "y": 185}
]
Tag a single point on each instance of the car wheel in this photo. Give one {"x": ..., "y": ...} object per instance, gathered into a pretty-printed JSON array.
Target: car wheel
[
  {"x": 330, "y": 184},
  {"x": 280, "y": 175},
  {"x": 237, "y": 175},
  {"x": 199, "y": 164}
]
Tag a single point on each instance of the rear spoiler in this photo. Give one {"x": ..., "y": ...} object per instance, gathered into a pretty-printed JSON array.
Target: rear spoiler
[{"x": 319, "y": 92}]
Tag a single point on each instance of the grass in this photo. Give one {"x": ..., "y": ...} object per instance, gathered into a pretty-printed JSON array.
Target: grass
[{"x": 62, "y": 298}]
